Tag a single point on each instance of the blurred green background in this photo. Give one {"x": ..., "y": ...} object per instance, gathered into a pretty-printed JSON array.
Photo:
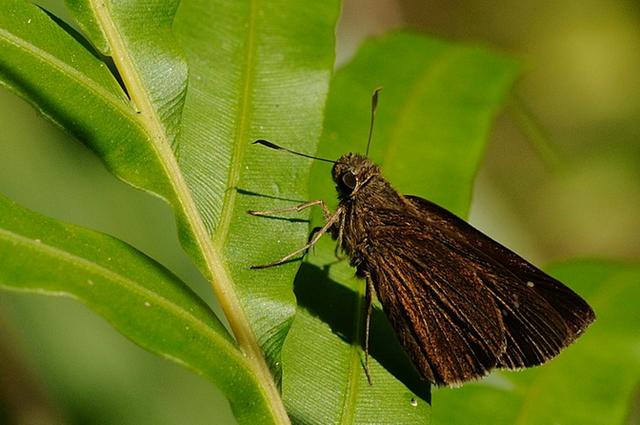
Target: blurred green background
[{"x": 581, "y": 87}]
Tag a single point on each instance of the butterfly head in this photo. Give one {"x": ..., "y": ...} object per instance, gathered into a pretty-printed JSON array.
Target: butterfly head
[{"x": 351, "y": 172}]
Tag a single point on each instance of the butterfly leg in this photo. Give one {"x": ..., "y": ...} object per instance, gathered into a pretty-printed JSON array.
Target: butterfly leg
[
  {"x": 314, "y": 239},
  {"x": 338, "y": 249},
  {"x": 368, "y": 309},
  {"x": 312, "y": 234},
  {"x": 296, "y": 208}
]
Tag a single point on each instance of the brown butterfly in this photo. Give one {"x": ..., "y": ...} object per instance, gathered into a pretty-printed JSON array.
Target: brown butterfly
[{"x": 460, "y": 303}]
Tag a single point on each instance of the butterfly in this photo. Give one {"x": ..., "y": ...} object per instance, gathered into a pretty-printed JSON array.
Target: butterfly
[{"x": 460, "y": 303}]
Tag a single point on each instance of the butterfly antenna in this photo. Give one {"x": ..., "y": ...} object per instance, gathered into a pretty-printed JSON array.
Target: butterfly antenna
[
  {"x": 374, "y": 106},
  {"x": 280, "y": 148}
]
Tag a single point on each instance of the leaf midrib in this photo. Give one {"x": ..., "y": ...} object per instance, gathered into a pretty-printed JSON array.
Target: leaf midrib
[
  {"x": 216, "y": 269},
  {"x": 353, "y": 379},
  {"x": 242, "y": 118}
]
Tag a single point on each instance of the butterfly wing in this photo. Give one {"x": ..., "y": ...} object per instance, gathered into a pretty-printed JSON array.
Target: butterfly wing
[
  {"x": 444, "y": 316},
  {"x": 541, "y": 316}
]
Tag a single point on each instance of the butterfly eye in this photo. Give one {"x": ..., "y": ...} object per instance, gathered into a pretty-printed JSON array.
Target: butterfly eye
[{"x": 349, "y": 180}]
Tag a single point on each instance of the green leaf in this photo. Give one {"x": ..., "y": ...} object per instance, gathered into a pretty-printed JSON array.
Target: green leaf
[
  {"x": 257, "y": 69},
  {"x": 139, "y": 297},
  {"x": 594, "y": 381},
  {"x": 433, "y": 118},
  {"x": 72, "y": 87},
  {"x": 144, "y": 51}
]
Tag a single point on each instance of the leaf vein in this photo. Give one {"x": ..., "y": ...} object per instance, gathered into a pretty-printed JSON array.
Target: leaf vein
[{"x": 240, "y": 142}]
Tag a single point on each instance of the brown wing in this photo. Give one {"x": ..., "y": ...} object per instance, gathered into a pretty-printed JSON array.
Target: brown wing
[
  {"x": 540, "y": 314},
  {"x": 445, "y": 317}
]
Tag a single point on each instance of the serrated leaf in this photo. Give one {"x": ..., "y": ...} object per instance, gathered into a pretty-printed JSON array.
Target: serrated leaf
[
  {"x": 593, "y": 381},
  {"x": 433, "y": 117},
  {"x": 139, "y": 297}
]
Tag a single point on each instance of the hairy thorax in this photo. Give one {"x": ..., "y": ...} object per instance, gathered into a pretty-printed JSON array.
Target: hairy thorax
[{"x": 362, "y": 212}]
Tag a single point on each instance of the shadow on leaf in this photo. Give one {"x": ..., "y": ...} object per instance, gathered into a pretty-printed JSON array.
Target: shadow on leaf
[
  {"x": 335, "y": 305},
  {"x": 261, "y": 195}
]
